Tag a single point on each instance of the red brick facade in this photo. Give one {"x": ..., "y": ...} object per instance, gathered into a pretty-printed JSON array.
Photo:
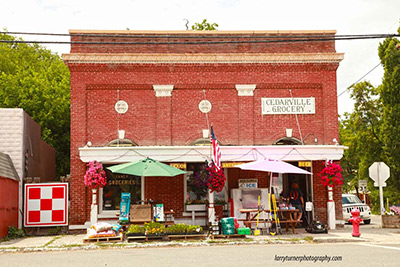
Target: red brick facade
[{"x": 97, "y": 84}]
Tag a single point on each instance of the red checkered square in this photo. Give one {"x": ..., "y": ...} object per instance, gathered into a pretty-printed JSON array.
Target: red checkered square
[
  {"x": 34, "y": 193},
  {"x": 58, "y": 192},
  {"x": 57, "y": 215},
  {"x": 34, "y": 216},
  {"x": 46, "y": 204}
]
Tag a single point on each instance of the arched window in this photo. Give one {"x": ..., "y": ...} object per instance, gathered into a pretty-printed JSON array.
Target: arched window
[
  {"x": 201, "y": 142},
  {"x": 121, "y": 142},
  {"x": 288, "y": 141}
]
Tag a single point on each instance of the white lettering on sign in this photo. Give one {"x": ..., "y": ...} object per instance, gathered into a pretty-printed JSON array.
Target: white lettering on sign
[{"x": 296, "y": 105}]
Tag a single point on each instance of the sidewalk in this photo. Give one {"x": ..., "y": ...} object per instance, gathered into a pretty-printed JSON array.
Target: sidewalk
[{"x": 369, "y": 233}]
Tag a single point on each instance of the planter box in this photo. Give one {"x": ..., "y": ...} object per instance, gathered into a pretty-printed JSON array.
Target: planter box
[
  {"x": 196, "y": 207},
  {"x": 391, "y": 221}
]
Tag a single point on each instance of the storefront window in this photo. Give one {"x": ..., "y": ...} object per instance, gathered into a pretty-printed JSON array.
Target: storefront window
[
  {"x": 196, "y": 184},
  {"x": 117, "y": 184}
]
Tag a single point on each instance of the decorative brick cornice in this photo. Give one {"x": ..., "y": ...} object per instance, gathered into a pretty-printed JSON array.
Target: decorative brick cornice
[
  {"x": 245, "y": 89},
  {"x": 163, "y": 90},
  {"x": 157, "y": 58}
]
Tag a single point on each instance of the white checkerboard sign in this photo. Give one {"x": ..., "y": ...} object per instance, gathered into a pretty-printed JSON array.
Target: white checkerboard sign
[{"x": 46, "y": 205}]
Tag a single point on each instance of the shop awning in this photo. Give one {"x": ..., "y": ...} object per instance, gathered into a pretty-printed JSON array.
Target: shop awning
[{"x": 201, "y": 153}]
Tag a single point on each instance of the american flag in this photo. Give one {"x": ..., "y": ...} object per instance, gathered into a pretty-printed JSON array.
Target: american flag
[{"x": 215, "y": 150}]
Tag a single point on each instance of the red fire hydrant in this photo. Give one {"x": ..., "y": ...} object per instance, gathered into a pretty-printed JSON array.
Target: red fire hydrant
[{"x": 355, "y": 220}]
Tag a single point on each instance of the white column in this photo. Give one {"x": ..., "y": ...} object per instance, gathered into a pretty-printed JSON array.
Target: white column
[
  {"x": 331, "y": 209},
  {"x": 211, "y": 209},
  {"x": 94, "y": 208}
]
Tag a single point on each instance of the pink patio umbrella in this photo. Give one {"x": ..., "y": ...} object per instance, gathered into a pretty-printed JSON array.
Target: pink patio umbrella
[{"x": 272, "y": 166}]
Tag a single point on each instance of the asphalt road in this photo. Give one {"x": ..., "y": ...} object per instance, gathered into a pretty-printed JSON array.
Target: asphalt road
[{"x": 354, "y": 254}]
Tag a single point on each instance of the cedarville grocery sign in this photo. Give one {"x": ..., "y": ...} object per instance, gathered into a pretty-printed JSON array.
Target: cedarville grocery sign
[{"x": 288, "y": 105}]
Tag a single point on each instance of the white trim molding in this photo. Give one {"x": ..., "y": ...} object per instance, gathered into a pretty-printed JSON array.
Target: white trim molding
[
  {"x": 163, "y": 90},
  {"x": 190, "y": 58},
  {"x": 245, "y": 89},
  {"x": 201, "y": 153}
]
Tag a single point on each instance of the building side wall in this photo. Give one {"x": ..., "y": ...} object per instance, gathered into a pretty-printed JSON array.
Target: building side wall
[{"x": 8, "y": 204}]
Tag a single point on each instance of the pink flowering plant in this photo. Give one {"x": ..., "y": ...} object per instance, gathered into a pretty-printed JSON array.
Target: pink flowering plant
[
  {"x": 331, "y": 175},
  {"x": 95, "y": 176}
]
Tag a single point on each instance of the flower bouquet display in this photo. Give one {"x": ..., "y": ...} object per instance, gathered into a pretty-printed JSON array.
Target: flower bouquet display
[
  {"x": 217, "y": 178},
  {"x": 331, "y": 175},
  {"x": 95, "y": 177}
]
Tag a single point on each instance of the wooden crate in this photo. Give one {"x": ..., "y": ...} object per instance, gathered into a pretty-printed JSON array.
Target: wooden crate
[
  {"x": 186, "y": 237},
  {"x": 144, "y": 238},
  {"x": 390, "y": 221},
  {"x": 108, "y": 239}
]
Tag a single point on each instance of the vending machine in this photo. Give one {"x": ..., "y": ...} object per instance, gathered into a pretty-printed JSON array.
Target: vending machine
[{"x": 124, "y": 208}]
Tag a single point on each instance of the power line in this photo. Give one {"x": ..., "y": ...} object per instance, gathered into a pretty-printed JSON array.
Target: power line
[
  {"x": 371, "y": 70},
  {"x": 166, "y": 35},
  {"x": 381, "y": 36}
]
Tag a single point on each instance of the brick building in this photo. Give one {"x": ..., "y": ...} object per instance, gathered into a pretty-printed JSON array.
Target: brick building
[{"x": 269, "y": 98}]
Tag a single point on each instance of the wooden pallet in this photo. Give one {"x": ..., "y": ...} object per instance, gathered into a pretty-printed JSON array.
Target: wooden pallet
[
  {"x": 143, "y": 238},
  {"x": 236, "y": 236},
  {"x": 186, "y": 237},
  {"x": 104, "y": 239}
]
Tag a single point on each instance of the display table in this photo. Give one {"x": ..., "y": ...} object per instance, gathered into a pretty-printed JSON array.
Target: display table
[{"x": 285, "y": 217}]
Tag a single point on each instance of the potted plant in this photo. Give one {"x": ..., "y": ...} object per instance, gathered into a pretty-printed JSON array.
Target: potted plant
[
  {"x": 154, "y": 229},
  {"x": 177, "y": 229},
  {"x": 136, "y": 230},
  {"x": 391, "y": 219},
  {"x": 194, "y": 230}
]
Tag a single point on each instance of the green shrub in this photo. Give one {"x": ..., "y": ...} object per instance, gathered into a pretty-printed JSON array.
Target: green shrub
[
  {"x": 136, "y": 229},
  {"x": 14, "y": 232},
  {"x": 179, "y": 228}
]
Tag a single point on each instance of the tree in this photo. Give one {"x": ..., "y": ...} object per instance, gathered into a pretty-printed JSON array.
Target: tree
[
  {"x": 35, "y": 79},
  {"x": 390, "y": 96},
  {"x": 204, "y": 26},
  {"x": 361, "y": 132}
]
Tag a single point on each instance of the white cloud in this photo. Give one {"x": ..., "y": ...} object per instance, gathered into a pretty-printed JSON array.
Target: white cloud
[{"x": 347, "y": 17}]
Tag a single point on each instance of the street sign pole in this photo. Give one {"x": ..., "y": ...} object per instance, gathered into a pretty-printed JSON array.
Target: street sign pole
[
  {"x": 380, "y": 182},
  {"x": 379, "y": 172}
]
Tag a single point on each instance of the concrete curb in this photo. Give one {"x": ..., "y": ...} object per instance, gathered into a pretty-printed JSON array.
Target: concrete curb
[{"x": 221, "y": 242}]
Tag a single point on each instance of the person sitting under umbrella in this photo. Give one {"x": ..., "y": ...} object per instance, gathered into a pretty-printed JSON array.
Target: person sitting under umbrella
[{"x": 296, "y": 199}]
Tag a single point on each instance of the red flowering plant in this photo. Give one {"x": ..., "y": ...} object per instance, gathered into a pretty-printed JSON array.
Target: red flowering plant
[
  {"x": 95, "y": 175},
  {"x": 217, "y": 178},
  {"x": 331, "y": 175}
]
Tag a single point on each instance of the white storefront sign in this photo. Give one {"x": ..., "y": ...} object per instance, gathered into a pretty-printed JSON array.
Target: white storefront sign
[{"x": 298, "y": 105}]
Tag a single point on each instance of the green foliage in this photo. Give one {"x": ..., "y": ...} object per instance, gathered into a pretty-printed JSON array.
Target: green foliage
[
  {"x": 179, "y": 228},
  {"x": 136, "y": 229},
  {"x": 204, "y": 26},
  {"x": 153, "y": 228},
  {"x": 14, "y": 232},
  {"x": 390, "y": 96},
  {"x": 361, "y": 132},
  {"x": 182, "y": 228},
  {"x": 35, "y": 79},
  {"x": 372, "y": 130}
]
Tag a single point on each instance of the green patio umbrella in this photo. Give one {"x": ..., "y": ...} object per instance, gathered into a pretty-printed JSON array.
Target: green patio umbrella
[{"x": 146, "y": 167}]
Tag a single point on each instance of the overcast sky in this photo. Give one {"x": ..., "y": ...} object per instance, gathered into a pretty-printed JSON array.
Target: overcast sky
[{"x": 345, "y": 16}]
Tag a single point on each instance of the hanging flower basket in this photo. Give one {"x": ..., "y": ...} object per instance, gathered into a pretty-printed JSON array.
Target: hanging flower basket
[
  {"x": 95, "y": 176},
  {"x": 331, "y": 175},
  {"x": 217, "y": 178}
]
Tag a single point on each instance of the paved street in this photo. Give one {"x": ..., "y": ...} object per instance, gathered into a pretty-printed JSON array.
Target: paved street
[{"x": 245, "y": 255}]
